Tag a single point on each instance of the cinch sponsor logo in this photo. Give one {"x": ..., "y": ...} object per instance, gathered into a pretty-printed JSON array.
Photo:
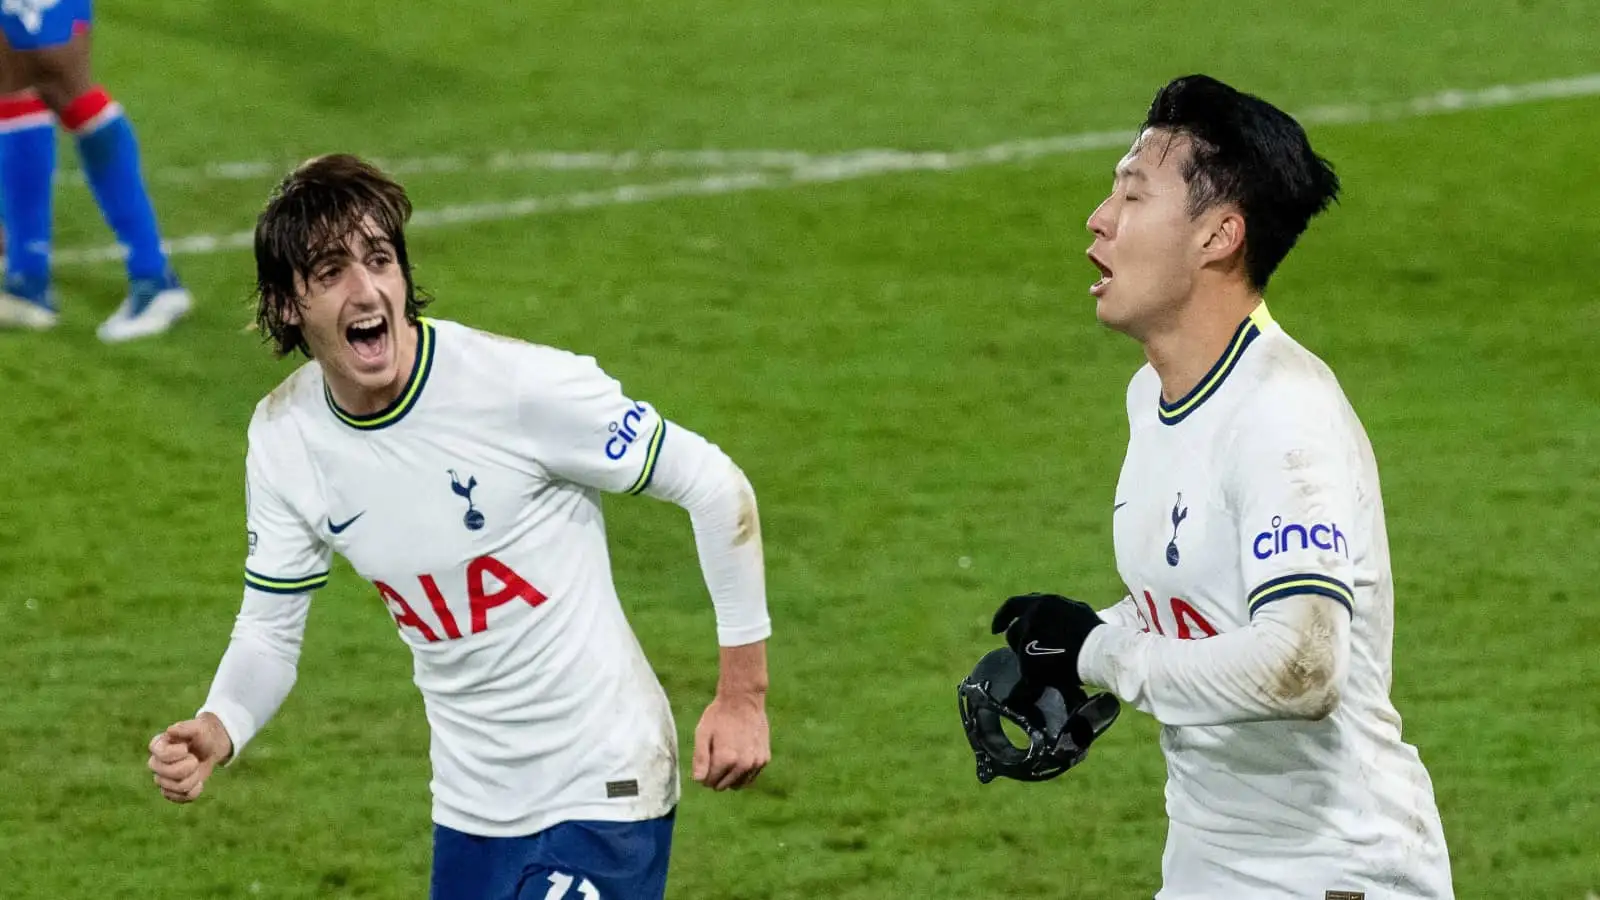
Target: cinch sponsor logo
[
  {"x": 1283, "y": 538},
  {"x": 624, "y": 433}
]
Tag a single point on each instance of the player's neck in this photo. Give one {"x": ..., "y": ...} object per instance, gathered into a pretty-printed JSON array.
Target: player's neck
[
  {"x": 360, "y": 400},
  {"x": 1184, "y": 351}
]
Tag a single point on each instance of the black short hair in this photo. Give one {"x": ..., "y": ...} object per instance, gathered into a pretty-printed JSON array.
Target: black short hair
[
  {"x": 1247, "y": 152},
  {"x": 311, "y": 213}
]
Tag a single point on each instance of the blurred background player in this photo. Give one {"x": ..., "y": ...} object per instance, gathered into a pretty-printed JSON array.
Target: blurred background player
[{"x": 45, "y": 79}]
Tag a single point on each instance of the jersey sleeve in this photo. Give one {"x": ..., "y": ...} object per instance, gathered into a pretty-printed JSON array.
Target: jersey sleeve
[
  {"x": 1294, "y": 484},
  {"x": 586, "y": 429},
  {"x": 285, "y": 555}
]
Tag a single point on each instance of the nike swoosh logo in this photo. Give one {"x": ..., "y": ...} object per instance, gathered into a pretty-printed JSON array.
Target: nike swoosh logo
[
  {"x": 1119, "y": 506},
  {"x": 339, "y": 527},
  {"x": 1033, "y": 649}
]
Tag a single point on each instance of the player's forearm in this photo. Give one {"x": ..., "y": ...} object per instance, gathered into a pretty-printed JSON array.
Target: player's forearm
[
  {"x": 1288, "y": 664},
  {"x": 721, "y": 504},
  {"x": 259, "y": 667},
  {"x": 743, "y": 670},
  {"x": 728, "y": 541}
]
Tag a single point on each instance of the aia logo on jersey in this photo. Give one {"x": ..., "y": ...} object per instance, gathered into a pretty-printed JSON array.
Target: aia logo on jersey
[
  {"x": 1183, "y": 621},
  {"x": 1178, "y": 515},
  {"x": 625, "y": 432},
  {"x": 1283, "y": 538},
  {"x": 490, "y": 584},
  {"x": 473, "y": 519}
]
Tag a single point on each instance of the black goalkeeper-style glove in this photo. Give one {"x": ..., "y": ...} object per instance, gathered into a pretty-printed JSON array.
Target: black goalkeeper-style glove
[{"x": 1047, "y": 631}]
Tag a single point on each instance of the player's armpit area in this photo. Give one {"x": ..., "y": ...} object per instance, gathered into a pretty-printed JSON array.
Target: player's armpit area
[
  {"x": 1290, "y": 662},
  {"x": 1125, "y": 612}
]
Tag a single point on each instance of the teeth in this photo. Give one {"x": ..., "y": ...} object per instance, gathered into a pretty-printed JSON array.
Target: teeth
[{"x": 369, "y": 322}]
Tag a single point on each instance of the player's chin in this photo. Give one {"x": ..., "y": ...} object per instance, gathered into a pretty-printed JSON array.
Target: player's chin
[
  {"x": 1106, "y": 309},
  {"x": 1119, "y": 307}
]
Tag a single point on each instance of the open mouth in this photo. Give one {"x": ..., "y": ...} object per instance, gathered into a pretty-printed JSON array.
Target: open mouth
[
  {"x": 1098, "y": 289},
  {"x": 369, "y": 339}
]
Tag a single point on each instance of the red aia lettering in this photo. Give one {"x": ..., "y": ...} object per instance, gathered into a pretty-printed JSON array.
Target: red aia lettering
[
  {"x": 1187, "y": 618},
  {"x": 1144, "y": 620},
  {"x": 1185, "y": 614},
  {"x": 1155, "y": 618},
  {"x": 431, "y": 588},
  {"x": 404, "y": 615},
  {"x": 511, "y": 586}
]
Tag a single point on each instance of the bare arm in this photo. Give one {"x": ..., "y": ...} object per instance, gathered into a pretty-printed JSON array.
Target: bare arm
[{"x": 743, "y": 671}]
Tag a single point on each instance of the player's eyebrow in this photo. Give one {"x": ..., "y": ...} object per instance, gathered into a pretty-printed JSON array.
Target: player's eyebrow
[
  {"x": 344, "y": 250},
  {"x": 369, "y": 240},
  {"x": 332, "y": 252},
  {"x": 1131, "y": 172}
]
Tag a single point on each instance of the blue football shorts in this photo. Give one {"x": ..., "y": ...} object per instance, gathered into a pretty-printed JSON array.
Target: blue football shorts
[
  {"x": 585, "y": 860},
  {"x": 37, "y": 24}
]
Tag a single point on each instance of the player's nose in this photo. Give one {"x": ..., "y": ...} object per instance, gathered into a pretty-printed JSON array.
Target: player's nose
[
  {"x": 362, "y": 283},
  {"x": 1101, "y": 221}
]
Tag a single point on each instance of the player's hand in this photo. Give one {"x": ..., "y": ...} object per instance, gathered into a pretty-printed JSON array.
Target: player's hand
[
  {"x": 731, "y": 745},
  {"x": 1047, "y": 632},
  {"x": 183, "y": 756}
]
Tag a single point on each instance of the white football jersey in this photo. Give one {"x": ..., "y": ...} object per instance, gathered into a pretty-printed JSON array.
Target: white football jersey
[
  {"x": 473, "y": 505},
  {"x": 1259, "y": 485}
]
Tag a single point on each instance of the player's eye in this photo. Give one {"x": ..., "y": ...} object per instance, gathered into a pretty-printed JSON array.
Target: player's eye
[
  {"x": 327, "y": 274},
  {"x": 380, "y": 260}
]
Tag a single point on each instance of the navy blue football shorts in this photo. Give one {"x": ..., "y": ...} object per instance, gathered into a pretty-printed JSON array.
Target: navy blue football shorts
[{"x": 585, "y": 860}]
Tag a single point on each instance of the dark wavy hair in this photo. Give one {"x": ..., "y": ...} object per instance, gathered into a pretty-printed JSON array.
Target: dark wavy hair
[{"x": 310, "y": 215}]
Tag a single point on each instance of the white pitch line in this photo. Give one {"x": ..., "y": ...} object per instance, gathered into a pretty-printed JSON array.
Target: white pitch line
[
  {"x": 1457, "y": 101},
  {"x": 635, "y": 160},
  {"x": 870, "y": 163},
  {"x": 504, "y": 161}
]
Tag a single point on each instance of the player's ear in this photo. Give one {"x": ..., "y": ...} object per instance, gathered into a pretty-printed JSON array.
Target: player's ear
[
  {"x": 1225, "y": 236},
  {"x": 291, "y": 312}
]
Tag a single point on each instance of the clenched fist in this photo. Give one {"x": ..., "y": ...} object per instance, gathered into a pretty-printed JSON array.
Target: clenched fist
[
  {"x": 183, "y": 756},
  {"x": 731, "y": 743}
]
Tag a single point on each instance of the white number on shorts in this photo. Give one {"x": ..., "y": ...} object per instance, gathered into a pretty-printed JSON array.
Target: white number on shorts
[{"x": 560, "y": 883}]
